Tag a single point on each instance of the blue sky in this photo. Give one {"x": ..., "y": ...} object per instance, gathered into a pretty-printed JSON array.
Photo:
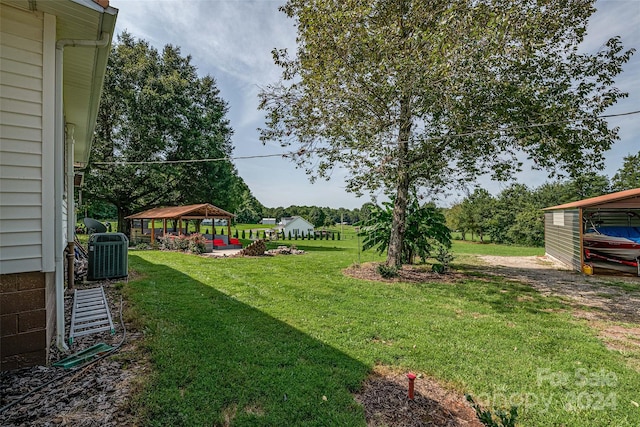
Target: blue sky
[{"x": 232, "y": 41}]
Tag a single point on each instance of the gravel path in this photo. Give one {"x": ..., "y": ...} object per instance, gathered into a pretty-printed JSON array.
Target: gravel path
[{"x": 614, "y": 297}]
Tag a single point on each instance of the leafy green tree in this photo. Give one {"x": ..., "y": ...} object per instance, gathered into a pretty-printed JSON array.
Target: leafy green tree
[
  {"x": 453, "y": 216},
  {"x": 317, "y": 217},
  {"x": 506, "y": 206},
  {"x": 552, "y": 194},
  {"x": 477, "y": 212},
  {"x": 425, "y": 225},
  {"x": 587, "y": 185},
  {"x": 411, "y": 95},
  {"x": 628, "y": 176},
  {"x": 156, "y": 109},
  {"x": 250, "y": 209},
  {"x": 527, "y": 228},
  {"x": 97, "y": 209}
]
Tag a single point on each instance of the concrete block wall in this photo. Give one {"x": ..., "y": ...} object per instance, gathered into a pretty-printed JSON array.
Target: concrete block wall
[{"x": 24, "y": 339}]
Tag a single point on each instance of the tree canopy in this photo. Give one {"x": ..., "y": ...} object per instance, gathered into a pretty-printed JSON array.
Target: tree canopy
[
  {"x": 628, "y": 176},
  {"x": 412, "y": 95},
  {"x": 156, "y": 110}
]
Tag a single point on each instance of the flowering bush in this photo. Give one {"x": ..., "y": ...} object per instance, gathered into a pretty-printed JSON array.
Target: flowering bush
[{"x": 197, "y": 243}]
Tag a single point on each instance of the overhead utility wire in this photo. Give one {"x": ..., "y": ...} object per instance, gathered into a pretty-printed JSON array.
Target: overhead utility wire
[
  {"x": 260, "y": 156},
  {"x": 217, "y": 159}
]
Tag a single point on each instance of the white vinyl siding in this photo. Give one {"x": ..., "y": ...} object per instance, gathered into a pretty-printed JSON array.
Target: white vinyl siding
[
  {"x": 296, "y": 225},
  {"x": 21, "y": 133}
]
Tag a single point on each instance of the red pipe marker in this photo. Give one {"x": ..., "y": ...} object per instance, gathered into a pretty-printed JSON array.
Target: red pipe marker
[{"x": 412, "y": 378}]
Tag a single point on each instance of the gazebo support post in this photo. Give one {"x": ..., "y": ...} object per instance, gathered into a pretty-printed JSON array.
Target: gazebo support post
[
  {"x": 153, "y": 231},
  {"x": 229, "y": 228}
]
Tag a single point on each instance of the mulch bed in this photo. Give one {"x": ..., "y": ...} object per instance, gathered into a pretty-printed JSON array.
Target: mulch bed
[
  {"x": 386, "y": 403},
  {"x": 97, "y": 394},
  {"x": 408, "y": 273}
]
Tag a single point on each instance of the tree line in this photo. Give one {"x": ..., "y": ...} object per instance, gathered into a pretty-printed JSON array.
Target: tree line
[
  {"x": 515, "y": 215},
  {"x": 317, "y": 215}
]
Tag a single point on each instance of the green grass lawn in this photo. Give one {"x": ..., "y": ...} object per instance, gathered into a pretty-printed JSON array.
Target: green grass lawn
[{"x": 263, "y": 341}]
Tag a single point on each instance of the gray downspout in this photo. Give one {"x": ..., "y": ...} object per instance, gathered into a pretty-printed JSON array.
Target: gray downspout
[{"x": 59, "y": 172}]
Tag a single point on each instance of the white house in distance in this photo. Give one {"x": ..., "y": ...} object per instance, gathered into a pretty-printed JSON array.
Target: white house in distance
[
  {"x": 53, "y": 58},
  {"x": 295, "y": 225}
]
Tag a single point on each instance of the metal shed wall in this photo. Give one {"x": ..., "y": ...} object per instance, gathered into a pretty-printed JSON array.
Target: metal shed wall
[{"x": 562, "y": 236}]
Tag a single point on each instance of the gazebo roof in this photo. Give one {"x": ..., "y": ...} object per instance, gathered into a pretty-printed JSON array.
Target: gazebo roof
[{"x": 204, "y": 210}]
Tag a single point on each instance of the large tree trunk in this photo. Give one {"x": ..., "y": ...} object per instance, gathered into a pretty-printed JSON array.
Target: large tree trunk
[
  {"x": 123, "y": 224},
  {"x": 394, "y": 254}
]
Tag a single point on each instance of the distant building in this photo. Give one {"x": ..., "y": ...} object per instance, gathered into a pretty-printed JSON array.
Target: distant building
[
  {"x": 268, "y": 221},
  {"x": 296, "y": 225}
]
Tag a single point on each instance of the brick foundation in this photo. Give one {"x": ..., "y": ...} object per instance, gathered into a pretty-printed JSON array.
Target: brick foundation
[{"x": 24, "y": 336}]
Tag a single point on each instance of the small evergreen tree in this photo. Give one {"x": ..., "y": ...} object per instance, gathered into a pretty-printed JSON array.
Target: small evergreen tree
[
  {"x": 289, "y": 234},
  {"x": 243, "y": 235}
]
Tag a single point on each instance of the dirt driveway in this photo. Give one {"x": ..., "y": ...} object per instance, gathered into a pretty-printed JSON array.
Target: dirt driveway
[{"x": 615, "y": 298}]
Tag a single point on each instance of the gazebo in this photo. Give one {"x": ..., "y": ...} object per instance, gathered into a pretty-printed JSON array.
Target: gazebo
[{"x": 180, "y": 214}]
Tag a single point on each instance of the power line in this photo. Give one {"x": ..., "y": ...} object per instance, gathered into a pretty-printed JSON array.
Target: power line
[
  {"x": 217, "y": 159},
  {"x": 300, "y": 152}
]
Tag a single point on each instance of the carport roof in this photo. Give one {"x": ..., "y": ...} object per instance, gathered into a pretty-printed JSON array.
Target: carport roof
[
  {"x": 204, "y": 210},
  {"x": 630, "y": 199}
]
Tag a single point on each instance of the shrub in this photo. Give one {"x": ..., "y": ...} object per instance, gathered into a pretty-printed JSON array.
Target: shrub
[
  {"x": 243, "y": 235},
  {"x": 387, "y": 272},
  {"x": 166, "y": 243},
  {"x": 197, "y": 243},
  {"x": 486, "y": 417},
  {"x": 181, "y": 242},
  {"x": 289, "y": 235},
  {"x": 444, "y": 256},
  {"x": 236, "y": 234},
  {"x": 437, "y": 268}
]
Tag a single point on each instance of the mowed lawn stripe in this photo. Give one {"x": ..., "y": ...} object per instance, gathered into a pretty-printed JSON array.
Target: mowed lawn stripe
[{"x": 264, "y": 339}]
